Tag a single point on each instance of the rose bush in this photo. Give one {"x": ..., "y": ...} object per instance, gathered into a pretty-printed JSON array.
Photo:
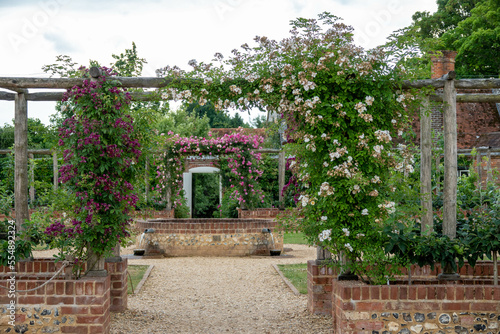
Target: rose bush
[
  {"x": 341, "y": 112},
  {"x": 237, "y": 148}
]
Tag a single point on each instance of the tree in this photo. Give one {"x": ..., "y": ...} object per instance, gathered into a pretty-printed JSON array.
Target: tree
[
  {"x": 477, "y": 41},
  {"x": 259, "y": 122},
  {"x": 184, "y": 124},
  {"x": 216, "y": 119},
  {"x": 447, "y": 17},
  {"x": 39, "y": 135},
  {"x": 470, "y": 27}
]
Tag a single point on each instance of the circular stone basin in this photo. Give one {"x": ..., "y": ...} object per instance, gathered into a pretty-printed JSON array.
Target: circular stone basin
[
  {"x": 275, "y": 252},
  {"x": 139, "y": 252}
]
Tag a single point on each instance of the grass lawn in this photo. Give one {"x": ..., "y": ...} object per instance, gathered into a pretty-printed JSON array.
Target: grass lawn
[
  {"x": 296, "y": 274},
  {"x": 295, "y": 238},
  {"x": 136, "y": 273}
]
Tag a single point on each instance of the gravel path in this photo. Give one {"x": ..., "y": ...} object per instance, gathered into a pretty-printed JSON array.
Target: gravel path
[
  {"x": 212, "y": 295},
  {"x": 219, "y": 295}
]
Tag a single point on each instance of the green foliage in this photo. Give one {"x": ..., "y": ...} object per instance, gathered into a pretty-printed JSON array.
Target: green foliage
[
  {"x": 136, "y": 274},
  {"x": 478, "y": 228},
  {"x": 39, "y": 135},
  {"x": 15, "y": 245},
  {"x": 128, "y": 64},
  {"x": 205, "y": 195},
  {"x": 181, "y": 208},
  {"x": 477, "y": 40},
  {"x": 296, "y": 274},
  {"x": 101, "y": 150},
  {"x": 297, "y": 238},
  {"x": 470, "y": 27},
  {"x": 216, "y": 119},
  {"x": 228, "y": 207},
  {"x": 341, "y": 113},
  {"x": 184, "y": 124}
]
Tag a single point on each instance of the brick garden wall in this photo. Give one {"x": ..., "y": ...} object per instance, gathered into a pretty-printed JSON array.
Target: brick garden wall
[
  {"x": 259, "y": 213},
  {"x": 63, "y": 306},
  {"x": 469, "y": 305},
  {"x": 210, "y": 237}
]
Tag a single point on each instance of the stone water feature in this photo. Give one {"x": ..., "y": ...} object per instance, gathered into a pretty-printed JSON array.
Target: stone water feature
[
  {"x": 144, "y": 240},
  {"x": 211, "y": 237}
]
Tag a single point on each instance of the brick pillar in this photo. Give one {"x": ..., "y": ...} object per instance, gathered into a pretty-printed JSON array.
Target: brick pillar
[
  {"x": 442, "y": 63},
  {"x": 319, "y": 288},
  {"x": 117, "y": 270}
]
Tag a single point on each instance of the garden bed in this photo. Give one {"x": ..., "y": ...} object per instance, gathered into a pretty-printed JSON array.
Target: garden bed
[
  {"x": 63, "y": 305},
  {"x": 469, "y": 305}
]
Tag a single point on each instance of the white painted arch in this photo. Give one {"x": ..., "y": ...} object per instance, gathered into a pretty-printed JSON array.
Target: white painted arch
[{"x": 187, "y": 179}]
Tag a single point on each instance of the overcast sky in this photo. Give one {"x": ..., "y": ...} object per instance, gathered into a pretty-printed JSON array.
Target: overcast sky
[{"x": 167, "y": 32}]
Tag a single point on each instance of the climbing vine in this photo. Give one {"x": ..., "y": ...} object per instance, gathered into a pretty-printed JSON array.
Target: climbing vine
[
  {"x": 100, "y": 149},
  {"x": 341, "y": 112},
  {"x": 237, "y": 148}
]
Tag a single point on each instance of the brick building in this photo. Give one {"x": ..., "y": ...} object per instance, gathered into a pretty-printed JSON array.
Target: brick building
[{"x": 478, "y": 124}]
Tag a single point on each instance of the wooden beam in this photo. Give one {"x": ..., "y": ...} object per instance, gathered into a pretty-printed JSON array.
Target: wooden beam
[
  {"x": 19, "y": 83},
  {"x": 489, "y": 176},
  {"x": 13, "y": 83},
  {"x": 27, "y": 151},
  {"x": 450, "y": 160},
  {"x": 21, "y": 161},
  {"x": 486, "y": 98},
  {"x": 268, "y": 150},
  {"x": 57, "y": 96},
  {"x": 426, "y": 167},
  {"x": 436, "y": 83},
  {"x": 7, "y": 96},
  {"x": 153, "y": 96},
  {"x": 459, "y": 84},
  {"x": 477, "y": 83}
]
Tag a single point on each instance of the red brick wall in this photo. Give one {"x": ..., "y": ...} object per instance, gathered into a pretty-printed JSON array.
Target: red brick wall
[
  {"x": 69, "y": 306},
  {"x": 117, "y": 272},
  {"x": 427, "y": 305},
  {"x": 442, "y": 63},
  {"x": 65, "y": 306},
  {"x": 206, "y": 226},
  {"x": 209, "y": 237},
  {"x": 464, "y": 307},
  {"x": 319, "y": 287},
  {"x": 259, "y": 213},
  {"x": 153, "y": 214}
]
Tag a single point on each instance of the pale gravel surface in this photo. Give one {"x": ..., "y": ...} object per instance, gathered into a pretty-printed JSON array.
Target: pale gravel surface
[{"x": 219, "y": 295}]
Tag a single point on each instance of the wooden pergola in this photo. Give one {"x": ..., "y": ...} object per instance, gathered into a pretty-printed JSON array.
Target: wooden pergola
[{"x": 18, "y": 91}]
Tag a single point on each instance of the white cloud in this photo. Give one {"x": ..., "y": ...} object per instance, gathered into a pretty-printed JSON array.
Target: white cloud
[{"x": 167, "y": 32}]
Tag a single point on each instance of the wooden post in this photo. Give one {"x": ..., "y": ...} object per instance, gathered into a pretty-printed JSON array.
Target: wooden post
[
  {"x": 55, "y": 170},
  {"x": 489, "y": 176},
  {"x": 169, "y": 199},
  {"x": 450, "y": 168},
  {"x": 21, "y": 160},
  {"x": 281, "y": 178},
  {"x": 146, "y": 178},
  {"x": 438, "y": 174},
  {"x": 426, "y": 166},
  {"x": 95, "y": 262},
  {"x": 322, "y": 255},
  {"x": 450, "y": 159},
  {"x": 32, "y": 178}
]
